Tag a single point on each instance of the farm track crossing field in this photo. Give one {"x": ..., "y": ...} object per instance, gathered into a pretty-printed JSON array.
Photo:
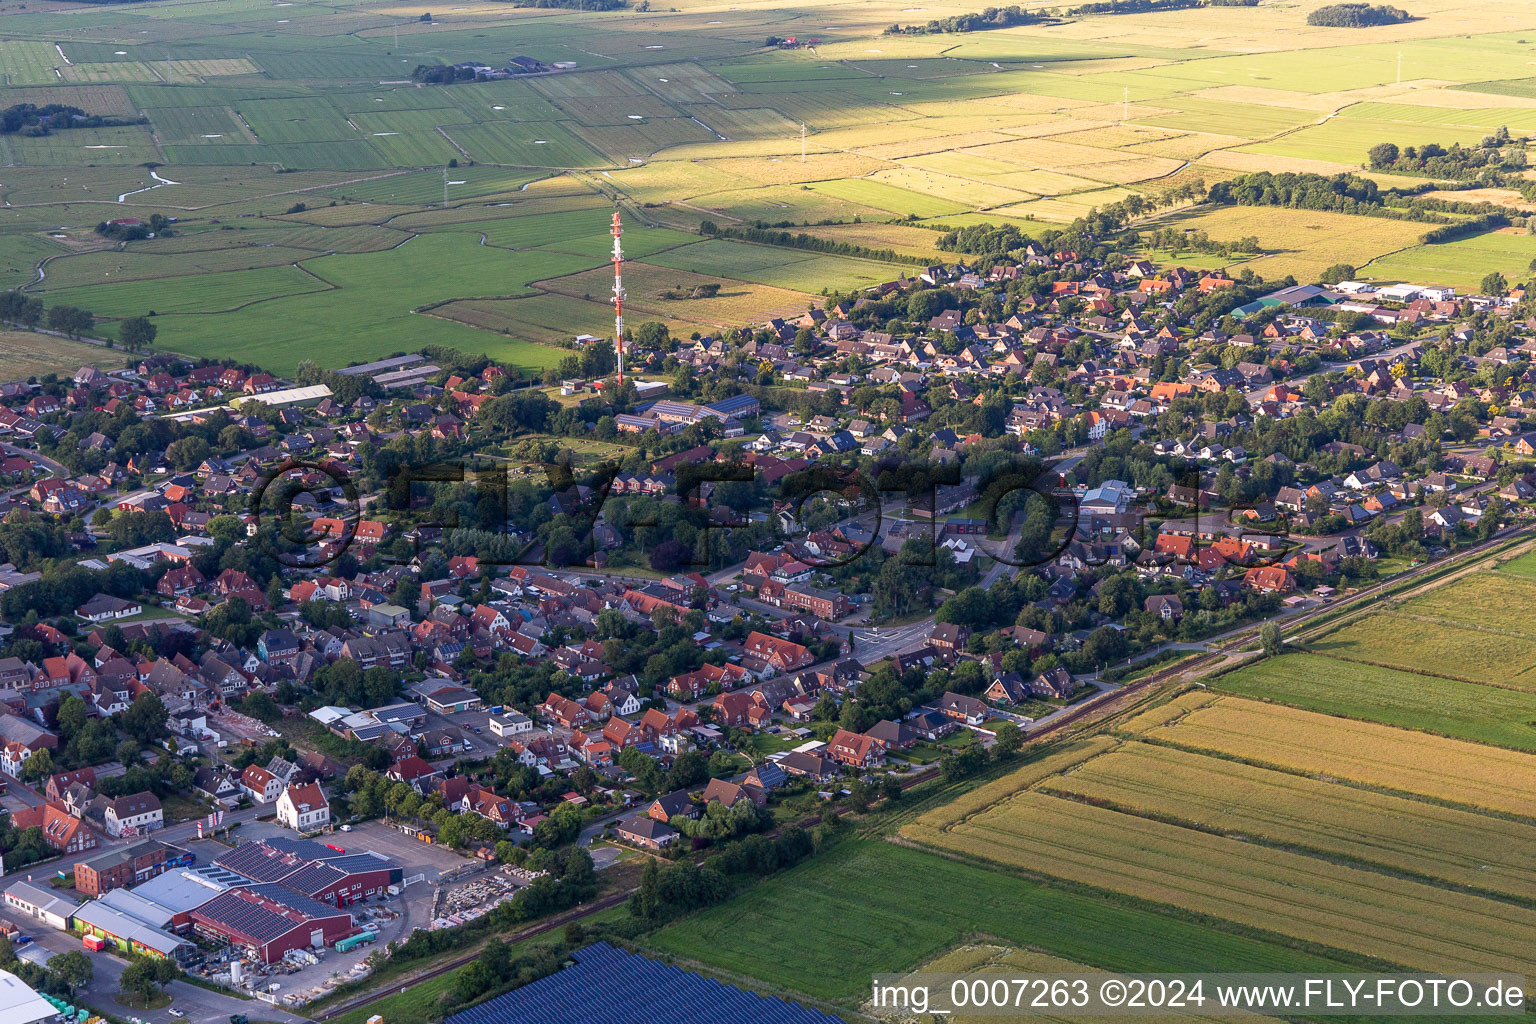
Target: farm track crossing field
[
  {"x": 1411, "y": 700},
  {"x": 1258, "y": 805},
  {"x": 1450, "y": 771}
]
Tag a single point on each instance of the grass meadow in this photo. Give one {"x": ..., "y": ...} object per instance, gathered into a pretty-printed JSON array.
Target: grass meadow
[
  {"x": 864, "y": 924},
  {"x": 1474, "y": 629}
]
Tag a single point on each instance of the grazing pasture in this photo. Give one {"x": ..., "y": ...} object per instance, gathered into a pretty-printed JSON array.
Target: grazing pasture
[{"x": 1473, "y": 628}]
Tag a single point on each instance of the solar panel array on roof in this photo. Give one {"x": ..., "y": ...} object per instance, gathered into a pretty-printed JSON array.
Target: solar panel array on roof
[
  {"x": 630, "y": 988},
  {"x": 247, "y": 919},
  {"x": 306, "y": 848},
  {"x": 260, "y": 921},
  {"x": 294, "y": 900},
  {"x": 261, "y": 861},
  {"x": 313, "y": 878}
]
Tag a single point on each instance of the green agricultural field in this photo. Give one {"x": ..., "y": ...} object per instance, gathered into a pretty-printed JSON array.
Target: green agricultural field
[
  {"x": 1461, "y": 263},
  {"x": 342, "y": 308},
  {"x": 1524, "y": 566},
  {"x": 865, "y": 925},
  {"x": 892, "y": 199},
  {"x": 797, "y": 269},
  {"x": 1473, "y": 629},
  {"x": 1410, "y": 700}
]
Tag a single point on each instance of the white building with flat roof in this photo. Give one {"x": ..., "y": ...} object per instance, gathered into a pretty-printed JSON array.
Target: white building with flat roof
[{"x": 20, "y": 1005}]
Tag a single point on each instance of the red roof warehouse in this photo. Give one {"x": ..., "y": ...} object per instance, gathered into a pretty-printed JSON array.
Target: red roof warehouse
[
  {"x": 313, "y": 869},
  {"x": 269, "y": 920}
]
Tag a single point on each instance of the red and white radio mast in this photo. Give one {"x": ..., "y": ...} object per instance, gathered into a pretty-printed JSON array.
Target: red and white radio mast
[{"x": 618, "y": 293}]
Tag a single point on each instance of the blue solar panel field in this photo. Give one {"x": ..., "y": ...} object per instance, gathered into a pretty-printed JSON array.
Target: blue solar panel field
[{"x": 628, "y": 987}]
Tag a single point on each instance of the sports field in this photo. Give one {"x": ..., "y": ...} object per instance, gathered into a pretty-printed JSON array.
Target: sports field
[{"x": 243, "y": 112}]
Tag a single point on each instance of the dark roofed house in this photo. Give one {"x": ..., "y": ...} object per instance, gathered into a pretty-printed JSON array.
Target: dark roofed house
[
  {"x": 670, "y": 805},
  {"x": 962, "y": 708},
  {"x": 644, "y": 830}
]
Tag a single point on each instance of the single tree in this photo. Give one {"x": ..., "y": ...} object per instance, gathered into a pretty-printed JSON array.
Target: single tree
[
  {"x": 1269, "y": 636},
  {"x": 137, "y": 333},
  {"x": 74, "y": 969}
]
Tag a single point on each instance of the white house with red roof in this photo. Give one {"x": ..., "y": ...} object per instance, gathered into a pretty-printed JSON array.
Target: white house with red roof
[{"x": 304, "y": 808}]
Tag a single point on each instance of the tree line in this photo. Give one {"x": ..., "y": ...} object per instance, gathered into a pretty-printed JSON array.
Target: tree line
[
  {"x": 784, "y": 239},
  {"x": 27, "y": 311},
  {"x": 978, "y": 21},
  {"x": 31, "y": 119}
]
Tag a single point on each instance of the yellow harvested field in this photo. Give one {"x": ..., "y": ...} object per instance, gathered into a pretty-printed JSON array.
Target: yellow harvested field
[
  {"x": 790, "y": 169},
  {"x": 1271, "y": 97},
  {"x": 1412, "y": 836},
  {"x": 1405, "y": 922},
  {"x": 858, "y": 139},
  {"x": 1234, "y": 160},
  {"x": 1302, "y": 242},
  {"x": 1468, "y": 774},
  {"x": 944, "y": 186},
  {"x": 1502, "y": 196},
  {"x": 910, "y": 241},
  {"x": 737, "y": 302},
  {"x": 27, "y": 354},
  {"x": 1002, "y": 960},
  {"x": 984, "y": 798}
]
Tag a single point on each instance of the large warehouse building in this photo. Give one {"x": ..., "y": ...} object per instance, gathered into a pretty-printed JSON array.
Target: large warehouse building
[
  {"x": 316, "y": 870},
  {"x": 269, "y": 919}
]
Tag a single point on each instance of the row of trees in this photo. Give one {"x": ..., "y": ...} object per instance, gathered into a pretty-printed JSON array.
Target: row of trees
[
  {"x": 978, "y": 21},
  {"x": 134, "y": 333}
]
